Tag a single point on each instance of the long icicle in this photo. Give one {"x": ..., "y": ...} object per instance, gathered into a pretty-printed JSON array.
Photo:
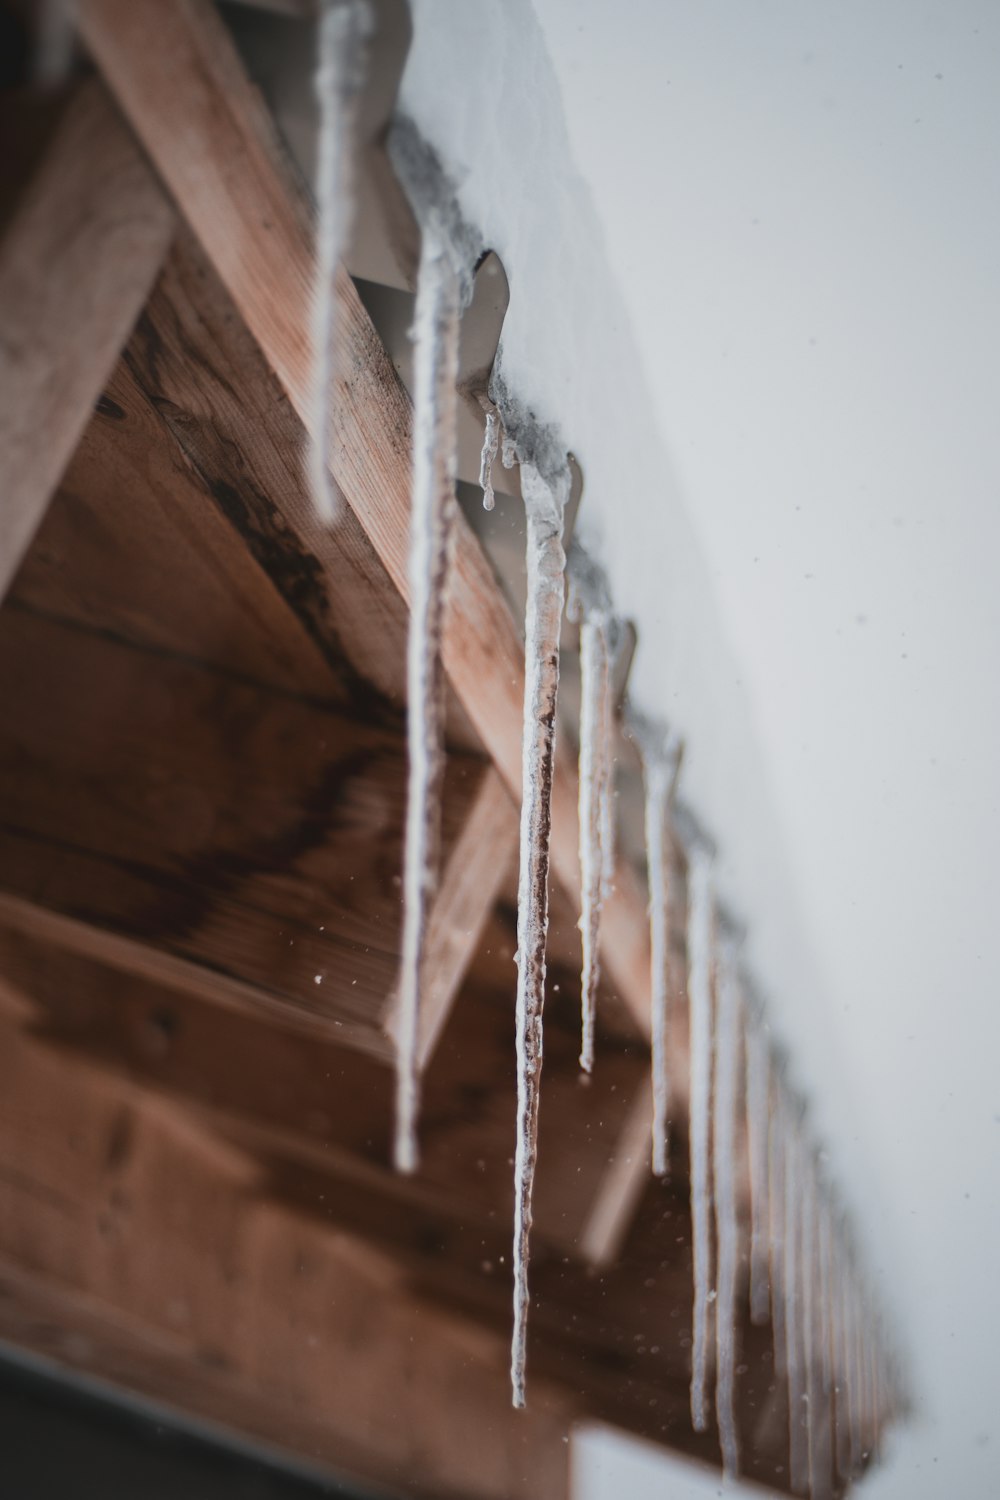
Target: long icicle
[
  {"x": 823, "y": 1417},
  {"x": 817, "y": 1445},
  {"x": 727, "y": 1053},
  {"x": 595, "y": 754},
  {"x": 545, "y": 504},
  {"x": 777, "y": 1166},
  {"x": 798, "y": 1455},
  {"x": 758, "y": 1114},
  {"x": 842, "y": 1426},
  {"x": 439, "y": 299},
  {"x": 343, "y": 32},
  {"x": 701, "y": 923},
  {"x": 661, "y": 757}
]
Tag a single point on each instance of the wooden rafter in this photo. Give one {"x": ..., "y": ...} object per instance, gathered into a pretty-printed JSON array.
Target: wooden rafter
[{"x": 76, "y": 265}]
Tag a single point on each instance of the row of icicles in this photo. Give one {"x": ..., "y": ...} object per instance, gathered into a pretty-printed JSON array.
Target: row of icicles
[{"x": 803, "y": 1274}]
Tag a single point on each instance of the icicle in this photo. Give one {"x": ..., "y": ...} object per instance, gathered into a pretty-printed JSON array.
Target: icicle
[
  {"x": 544, "y": 505},
  {"x": 848, "y": 1448},
  {"x": 589, "y": 604},
  {"x": 439, "y": 298},
  {"x": 758, "y": 1126},
  {"x": 344, "y": 29},
  {"x": 701, "y": 922},
  {"x": 817, "y": 1428},
  {"x": 727, "y": 1050},
  {"x": 777, "y": 1167},
  {"x": 594, "y": 771},
  {"x": 661, "y": 758},
  {"x": 798, "y": 1458},
  {"x": 490, "y": 443}
]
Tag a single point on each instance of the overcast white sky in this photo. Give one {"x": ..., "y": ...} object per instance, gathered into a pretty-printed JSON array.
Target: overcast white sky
[{"x": 788, "y": 216}]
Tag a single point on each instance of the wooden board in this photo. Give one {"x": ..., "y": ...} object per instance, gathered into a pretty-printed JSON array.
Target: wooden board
[
  {"x": 256, "y": 834},
  {"x": 77, "y": 261}
]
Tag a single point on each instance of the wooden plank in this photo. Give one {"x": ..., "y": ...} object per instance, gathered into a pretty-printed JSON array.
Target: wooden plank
[
  {"x": 624, "y": 1182},
  {"x": 476, "y": 869},
  {"x": 226, "y": 172},
  {"x": 76, "y": 264},
  {"x": 145, "y": 1253},
  {"x": 289, "y": 1080},
  {"x": 252, "y": 833}
]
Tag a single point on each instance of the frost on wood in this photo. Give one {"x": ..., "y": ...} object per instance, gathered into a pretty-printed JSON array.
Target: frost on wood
[
  {"x": 344, "y": 29},
  {"x": 491, "y": 439},
  {"x": 758, "y": 1113},
  {"x": 544, "y": 503},
  {"x": 589, "y": 603},
  {"x": 661, "y": 755},
  {"x": 701, "y": 922},
  {"x": 439, "y": 297},
  {"x": 727, "y": 1051}
]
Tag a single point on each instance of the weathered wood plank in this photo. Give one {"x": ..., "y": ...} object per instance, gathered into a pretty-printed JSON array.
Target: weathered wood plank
[
  {"x": 290, "y": 1080},
  {"x": 226, "y": 173},
  {"x": 255, "y": 834},
  {"x": 77, "y": 261}
]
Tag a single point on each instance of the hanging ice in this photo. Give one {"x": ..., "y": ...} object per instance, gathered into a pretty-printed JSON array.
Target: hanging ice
[
  {"x": 776, "y": 1219},
  {"x": 727, "y": 1054},
  {"x": 798, "y": 1453},
  {"x": 758, "y": 1112},
  {"x": 701, "y": 923},
  {"x": 490, "y": 442},
  {"x": 544, "y": 504},
  {"x": 439, "y": 299},
  {"x": 823, "y": 1415},
  {"x": 590, "y": 604},
  {"x": 343, "y": 32},
  {"x": 661, "y": 756}
]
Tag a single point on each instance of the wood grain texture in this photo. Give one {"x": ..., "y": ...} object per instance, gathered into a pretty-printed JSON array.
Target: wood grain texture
[
  {"x": 77, "y": 261},
  {"x": 256, "y": 834},
  {"x": 225, "y": 171},
  {"x": 134, "y": 1244}
]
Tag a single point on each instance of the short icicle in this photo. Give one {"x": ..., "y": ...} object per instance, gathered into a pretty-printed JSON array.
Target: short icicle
[
  {"x": 701, "y": 927},
  {"x": 439, "y": 303},
  {"x": 758, "y": 1112},
  {"x": 729, "y": 1025},
  {"x": 545, "y": 503},
  {"x": 825, "y": 1335},
  {"x": 589, "y": 603},
  {"x": 343, "y": 31},
  {"x": 661, "y": 757},
  {"x": 491, "y": 439}
]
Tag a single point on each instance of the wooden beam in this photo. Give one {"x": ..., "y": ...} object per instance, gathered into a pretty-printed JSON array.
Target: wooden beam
[
  {"x": 76, "y": 264},
  {"x": 617, "y": 1199},
  {"x": 136, "y": 1247},
  {"x": 226, "y": 173},
  {"x": 475, "y": 870}
]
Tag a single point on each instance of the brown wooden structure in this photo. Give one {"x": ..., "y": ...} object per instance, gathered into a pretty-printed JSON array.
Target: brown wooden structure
[{"x": 202, "y": 768}]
